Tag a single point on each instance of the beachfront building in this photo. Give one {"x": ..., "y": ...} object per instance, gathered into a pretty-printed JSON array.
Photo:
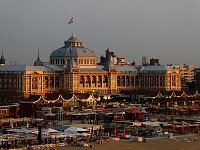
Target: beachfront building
[
  {"x": 38, "y": 105},
  {"x": 73, "y": 69},
  {"x": 149, "y": 78}
]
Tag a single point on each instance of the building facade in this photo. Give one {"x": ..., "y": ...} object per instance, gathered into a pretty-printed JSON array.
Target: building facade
[{"x": 73, "y": 69}]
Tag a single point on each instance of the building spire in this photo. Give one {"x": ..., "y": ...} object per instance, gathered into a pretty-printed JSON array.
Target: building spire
[
  {"x": 73, "y": 34},
  {"x": 38, "y": 62},
  {"x": 38, "y": 53},
  {"x": 2, "y": 52},
  {"x": 2, "y": 59}
]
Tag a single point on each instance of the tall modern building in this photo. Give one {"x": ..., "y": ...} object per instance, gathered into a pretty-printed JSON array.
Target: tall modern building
[
  {"x": 73, "y": 68},
  {"x": 144, "y": 61}
]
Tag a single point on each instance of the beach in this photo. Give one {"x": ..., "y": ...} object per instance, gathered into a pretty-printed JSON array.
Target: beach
[{"x": 179, "y": 143}]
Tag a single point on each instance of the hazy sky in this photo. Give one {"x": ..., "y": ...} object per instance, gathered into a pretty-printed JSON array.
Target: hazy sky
[{"x": 164, "y": 29}]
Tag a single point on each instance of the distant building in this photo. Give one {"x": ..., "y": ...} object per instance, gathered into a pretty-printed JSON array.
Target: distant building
[
  {"x": 197, "y": 78},
  {"x": 144, "y": 61},
  {"x": 154, "y": 62},
  {"x": 109, "y": 55},
  {"x": 121, "y": 61}
]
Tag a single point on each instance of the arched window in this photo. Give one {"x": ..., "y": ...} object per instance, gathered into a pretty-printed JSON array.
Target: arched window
[
  {"x": 51, "y": 82},
  {"x": 123, "y": 81},
  {"x": 132, "y": 81},
  {"x": 94, "y": 80},
  {"x": 34, "y": 83},
  {"x": 82, "y": 81},
  {"x": 127, "y": 81},
  {"x": 118, "y": 81},
  {"x": 88, "y": 81},
  {"x": 57, "y": 81},
  {"x": 99, "y": 81},
  {"x": 46, "y": 82},
  {"x": 105, "y": 81},
  {"x": 137, "y": 81}
]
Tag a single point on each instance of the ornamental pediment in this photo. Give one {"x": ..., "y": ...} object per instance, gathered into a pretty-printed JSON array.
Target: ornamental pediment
[{"x": 35, "y": 73}]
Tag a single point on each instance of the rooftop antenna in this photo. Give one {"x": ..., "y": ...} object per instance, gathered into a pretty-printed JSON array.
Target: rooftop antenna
[
  {"x": 38, "y": 53},
  {"x": 2, "y": 52}
]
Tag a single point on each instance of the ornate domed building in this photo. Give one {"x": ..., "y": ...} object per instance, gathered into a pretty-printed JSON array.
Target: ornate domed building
[
  {"x": 73, "y": 69},
  {"x": 73, "y": 48}
]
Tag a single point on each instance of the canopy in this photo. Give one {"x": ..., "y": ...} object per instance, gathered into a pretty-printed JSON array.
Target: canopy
[
  {"x": 121, "y": 113},
  {"x": 21, "y": 130},
  {"x": 158, "y": 124},
  {"x": 48, "y": 130},
  {"x": 49, "y": 115},
  {"x": 75, "y": 130}
]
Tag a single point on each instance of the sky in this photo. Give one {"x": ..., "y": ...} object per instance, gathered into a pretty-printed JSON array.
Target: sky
[{"x": 165, "y": 29}]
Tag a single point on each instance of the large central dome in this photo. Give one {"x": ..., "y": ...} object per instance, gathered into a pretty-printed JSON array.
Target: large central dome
[{"x": 73, "y": 48}]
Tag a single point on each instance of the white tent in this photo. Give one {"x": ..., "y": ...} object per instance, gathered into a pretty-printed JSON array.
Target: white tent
[
  {"x": 74, "y": 130},
  {"x": 121, "y": 113},
  {"x": 46, "y": 131},
  {"x": 21, "y": 130},
  {"x": 49, "y": 115},
  {"x": 84, "y": 134},
  {"x": 158, "y": 124}
]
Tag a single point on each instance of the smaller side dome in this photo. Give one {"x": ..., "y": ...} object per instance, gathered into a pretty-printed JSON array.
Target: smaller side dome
[{"x": 38, "y": 62}]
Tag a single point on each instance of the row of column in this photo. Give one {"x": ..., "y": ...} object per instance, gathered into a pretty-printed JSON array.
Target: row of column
[{"x": 133, "y": 81}]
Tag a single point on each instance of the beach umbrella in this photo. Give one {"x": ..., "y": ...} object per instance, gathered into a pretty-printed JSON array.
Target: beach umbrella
[
  {"x": 50, "y": 140},
  {"x": 124, "y": 132},
  {"x": 49, "y": 115},
  {"x": 22, "y": 130},
  {"x": 55, "y": 139},
  {"x": 16, "y": 143},
  {"x": 74, "y": 130},
  {"x": 182, "y": 127},
  {"x": 115, "y": 131},
  {"x": 174, "y": 126},
  {"x": 39, "y": 137},
  {"x": 100, "y": 130},
  {"x": 1, "y": 142},
  {"x": 92, "y": 130}
]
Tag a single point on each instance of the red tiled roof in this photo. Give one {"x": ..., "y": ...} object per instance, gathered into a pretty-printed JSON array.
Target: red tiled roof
[
  {"x": 66, "y": 96},
  {"x": 32, "y": 98},
  {"x": 51, "y": 96},
  {"x": 82, "y": 95}
]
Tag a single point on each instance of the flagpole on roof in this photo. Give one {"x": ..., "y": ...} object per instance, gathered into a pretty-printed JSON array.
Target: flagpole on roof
[
  {"x": 72, "y": 21},
  {"x": 73, "y": 26}
]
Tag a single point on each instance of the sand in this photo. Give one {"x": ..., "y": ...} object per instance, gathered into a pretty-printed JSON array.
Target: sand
[{"x": 178, "y": 143}]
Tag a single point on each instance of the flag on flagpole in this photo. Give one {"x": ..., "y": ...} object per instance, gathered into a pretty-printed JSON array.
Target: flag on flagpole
[
  {"x": 71, "y": 20},
  {"x": 107, "y": 50}
]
